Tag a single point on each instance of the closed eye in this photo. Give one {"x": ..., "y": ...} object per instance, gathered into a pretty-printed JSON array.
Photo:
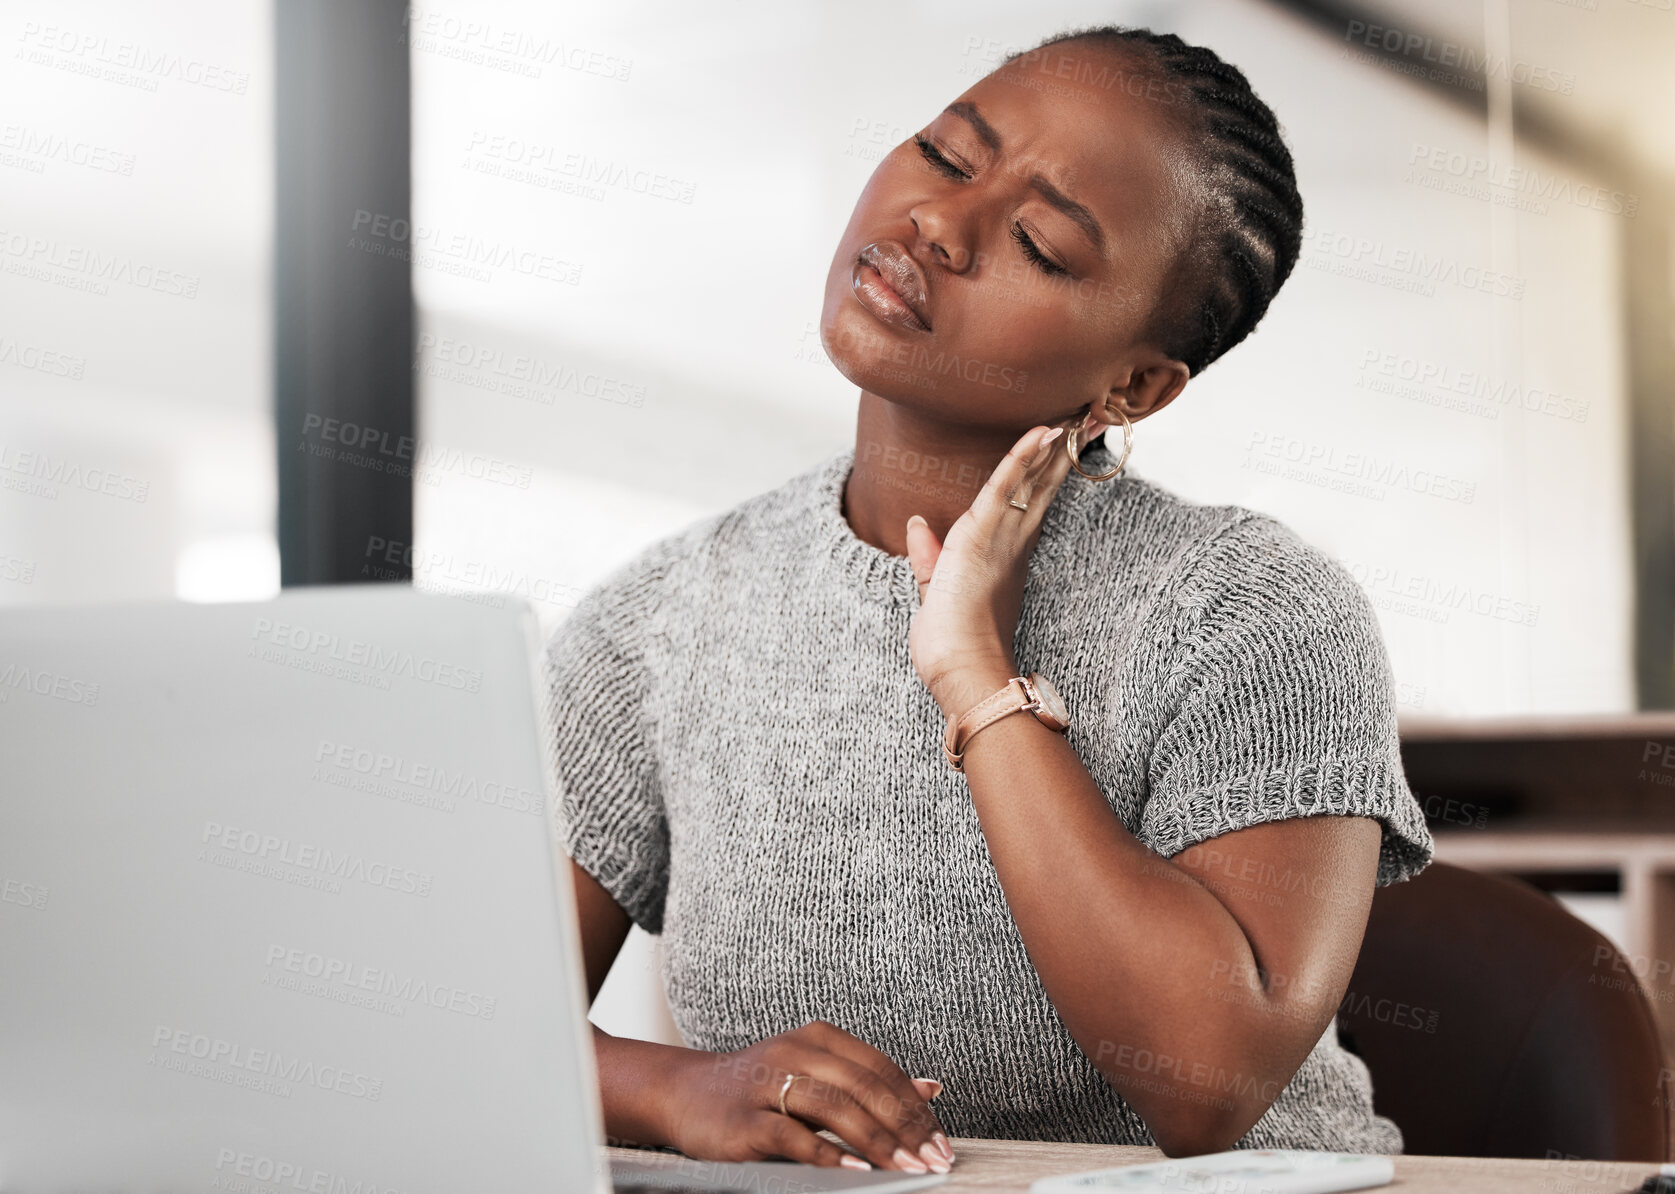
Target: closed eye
[
  {"x": 941, "y": 164},
  {"x": 934, "y": 156},
  {"x": 1046, "y": 264}
]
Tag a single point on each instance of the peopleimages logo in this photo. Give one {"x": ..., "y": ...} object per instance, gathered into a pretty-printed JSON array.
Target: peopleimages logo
[
  {"x": 230, "y": 846},
  {"x": 243, "y": 1172},
  {"x": 24, "y": 895},
  {"x": 40, "y": 146},
  {"x": 17, "y": 469},
  {"x": 518, "y": 160},
  {"x": 35, "y": 256},
  {"x": 1434, "y": 599},
  {"x": 1473, "y": 65},
  {"x": 284, "y": 962},
  {"x": 518, "y": 374},
  {"x": 1538, "y": 185},
  {"x": 16, "y": 677},
  {"x": 1308, "y": 461},
  {"x": 512, "y": 50},
  {"x": 403, "y": 455},
  {"x": 385, "y": 661},
  {"x": 1468, "y": 390},
  {"x": 460, "y": 248},
  {"x": 228, "y": 1061},
  {"x": 41, "y": 360},
  {"x": 378, "y": 766},
  {"x": 124, "y": 61},
  {"x": 1404, "y": 267}
]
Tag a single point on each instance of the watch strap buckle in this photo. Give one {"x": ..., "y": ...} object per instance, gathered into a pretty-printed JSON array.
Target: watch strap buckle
[{"x": 985, "y": 713}]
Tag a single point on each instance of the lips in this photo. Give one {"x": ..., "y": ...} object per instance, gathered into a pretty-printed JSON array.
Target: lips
[{"x": 886, "y": 266}]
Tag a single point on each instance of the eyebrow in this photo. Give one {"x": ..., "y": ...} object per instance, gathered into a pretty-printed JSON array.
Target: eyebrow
[{"x": 1083, "y": 218}]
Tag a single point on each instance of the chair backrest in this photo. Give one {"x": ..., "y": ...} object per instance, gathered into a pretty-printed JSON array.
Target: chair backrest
[{"x": 1496, "y": 1024}]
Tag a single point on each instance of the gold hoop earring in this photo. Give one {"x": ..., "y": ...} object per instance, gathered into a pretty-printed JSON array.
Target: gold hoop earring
[{"x": 1075, "y": 451}]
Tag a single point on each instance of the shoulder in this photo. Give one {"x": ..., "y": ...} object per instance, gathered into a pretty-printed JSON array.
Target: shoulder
[
  {"x": 1257, "y": 559},
  {"x": 1212, "y": 568},
  {"x": 1201, "y": 549},
  {"x": 1137, "y": 506}
]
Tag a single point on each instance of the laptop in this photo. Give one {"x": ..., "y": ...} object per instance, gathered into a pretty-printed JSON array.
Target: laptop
[{"x": 283, "y": 910}]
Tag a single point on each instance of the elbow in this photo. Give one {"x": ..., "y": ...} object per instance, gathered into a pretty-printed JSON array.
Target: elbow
[
  {"x": 1194, "y": 1139},
  {"x": 1193, "y": 1107},
  {"x": 1193, "y": 1130}
]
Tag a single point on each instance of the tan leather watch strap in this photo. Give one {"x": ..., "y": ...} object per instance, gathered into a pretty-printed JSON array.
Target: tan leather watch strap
[{"x": 1017, "y": 696}]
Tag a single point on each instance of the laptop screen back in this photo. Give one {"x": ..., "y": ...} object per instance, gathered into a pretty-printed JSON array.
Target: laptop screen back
[{"x": 278, "y": 903}]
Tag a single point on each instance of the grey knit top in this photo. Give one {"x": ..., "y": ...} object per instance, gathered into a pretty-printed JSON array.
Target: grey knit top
[{"x": 748, "y": 762}]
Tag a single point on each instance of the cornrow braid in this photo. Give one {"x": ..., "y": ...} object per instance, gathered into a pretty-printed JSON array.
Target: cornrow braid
[{"x": 1252, "y": 230}]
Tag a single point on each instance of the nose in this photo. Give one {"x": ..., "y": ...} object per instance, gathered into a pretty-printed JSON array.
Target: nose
[{"x": 945, "y": 234}]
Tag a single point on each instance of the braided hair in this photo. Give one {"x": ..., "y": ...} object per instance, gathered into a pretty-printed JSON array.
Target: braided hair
[{"x": 1249, "y": 235}]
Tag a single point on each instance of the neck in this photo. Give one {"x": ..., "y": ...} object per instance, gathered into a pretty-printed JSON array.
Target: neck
[{"x": 907, "y": 463}]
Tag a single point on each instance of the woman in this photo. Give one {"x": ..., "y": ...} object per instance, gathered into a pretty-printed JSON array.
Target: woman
[{"x": 1134, "y": 929}]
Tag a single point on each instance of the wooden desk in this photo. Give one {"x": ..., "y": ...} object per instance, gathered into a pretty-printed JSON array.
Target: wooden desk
[{"x": 1011, "y": 1165}]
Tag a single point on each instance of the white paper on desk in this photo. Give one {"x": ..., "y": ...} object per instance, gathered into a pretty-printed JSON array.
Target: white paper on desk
[{"x": 1238, "y": 1171}]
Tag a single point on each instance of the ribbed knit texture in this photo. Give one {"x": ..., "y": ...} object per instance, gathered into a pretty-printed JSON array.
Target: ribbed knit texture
[{"x": 747, "y": 760}]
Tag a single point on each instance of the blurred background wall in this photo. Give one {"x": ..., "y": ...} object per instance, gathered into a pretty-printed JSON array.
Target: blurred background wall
[
  {"x": 136, "y": 442},
  {"x": 1463, "y": 392}
]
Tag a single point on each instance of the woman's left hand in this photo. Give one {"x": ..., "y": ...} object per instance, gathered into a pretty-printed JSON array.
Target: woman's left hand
[{"x": 971, "y": 586}]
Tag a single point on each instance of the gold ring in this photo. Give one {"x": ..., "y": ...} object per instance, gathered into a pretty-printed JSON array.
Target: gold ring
[
  {"x": 1018, "y": 504},
  {"x": 789, "y": 1078}
]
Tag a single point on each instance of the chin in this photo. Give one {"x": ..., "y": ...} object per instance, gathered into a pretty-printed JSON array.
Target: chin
[
  {"x": 853, "y": 343},
  {"x": 875, "y": 358}
]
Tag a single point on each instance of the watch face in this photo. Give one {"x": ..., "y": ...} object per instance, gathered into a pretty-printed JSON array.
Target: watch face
[{"x": 1052, "y": 705}]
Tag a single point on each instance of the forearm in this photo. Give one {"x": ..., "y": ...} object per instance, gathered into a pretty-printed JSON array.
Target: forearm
[
  {"x": 634, "y": 1085},
  {"x": 1129, "y": 947}
]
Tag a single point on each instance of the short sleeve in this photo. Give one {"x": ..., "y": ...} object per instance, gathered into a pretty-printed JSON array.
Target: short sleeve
[
  {"x": 610, "y": 810},
  {"x": 1279, "y": 701}
]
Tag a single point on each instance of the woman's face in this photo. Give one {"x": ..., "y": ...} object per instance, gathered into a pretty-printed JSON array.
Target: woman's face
[{"x": 1030, "y": 256}]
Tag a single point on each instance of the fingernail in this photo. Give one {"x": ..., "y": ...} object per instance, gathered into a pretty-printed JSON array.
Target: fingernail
[
  {"x": 909, "y": 1162},
  {"x": 936, "y": 1087},
  {"x": 933, "y": 1157},
  {"x": 916, "y": 519},
  {"x": 1051, "y": 436},
  {"x": 854, "y": 1162},
  {"x": 942, "y": 1143}
]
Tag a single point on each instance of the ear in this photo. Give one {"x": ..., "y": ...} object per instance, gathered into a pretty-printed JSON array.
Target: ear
[{"x": 1151, "y": 387}]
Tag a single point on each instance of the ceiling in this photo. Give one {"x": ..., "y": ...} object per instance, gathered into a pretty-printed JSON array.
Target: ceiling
[{"x": 1608, "y": 65}]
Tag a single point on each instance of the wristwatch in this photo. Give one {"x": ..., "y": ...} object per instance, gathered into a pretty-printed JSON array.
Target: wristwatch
[{"x": 1032, "y": 692}]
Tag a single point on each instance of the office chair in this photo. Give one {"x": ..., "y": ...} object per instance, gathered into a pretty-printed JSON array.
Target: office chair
[{"x": 1496, "y": 1024}]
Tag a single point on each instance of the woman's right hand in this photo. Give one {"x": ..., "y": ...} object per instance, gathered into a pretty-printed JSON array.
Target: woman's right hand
[{"x": 725, "y": 1106}]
